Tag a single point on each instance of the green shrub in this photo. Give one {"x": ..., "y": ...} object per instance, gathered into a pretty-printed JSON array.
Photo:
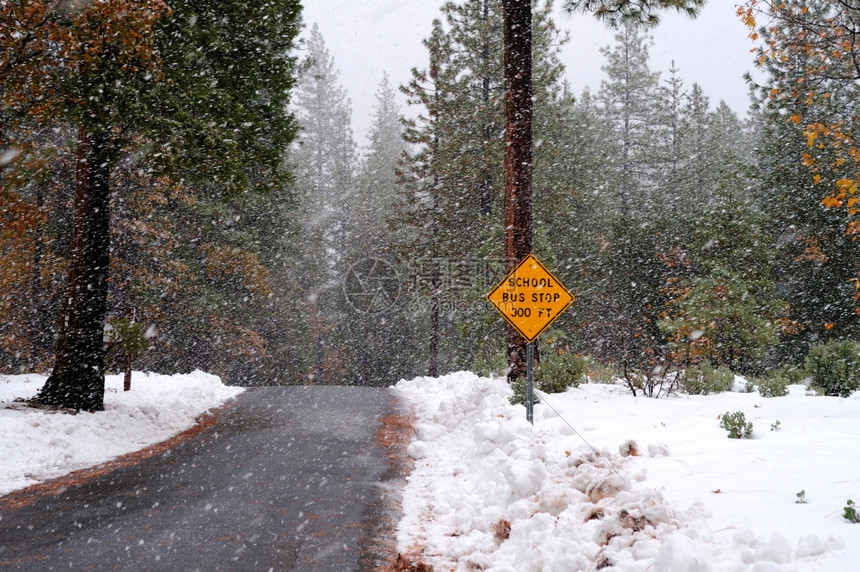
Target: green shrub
[
  {"x": 490, "y": 365},
  {"x": 737, "y": 425},
  {"x": 791, "y": 373},
  {"x": 519, "y": 396},
  {"x": 126, "y": 336},
  {"x": 834, "y": 367},
  {"x": 850, "y": 512},
  {"x": 706, "y": 379},
  {"x": 772, "y": 385},
  {"x": 556, "y": 373},
  {"x": 777, "y": 380}
]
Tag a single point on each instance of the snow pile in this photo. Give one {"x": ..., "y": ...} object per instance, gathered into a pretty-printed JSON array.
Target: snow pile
[
  {"x": 43, "y": 444},
  {"x": 658, "y": 486}
]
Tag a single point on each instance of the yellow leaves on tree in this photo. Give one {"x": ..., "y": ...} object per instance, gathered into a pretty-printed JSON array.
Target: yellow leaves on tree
[
  {"x": 118, "y": 29},
  {"x": 844, "y": 192},
  {"x": 814, "y": 44},
  {"x": 812, "y": 251},
  {"x": 746, "y": 15},
  {"x": 33, "y": 46},
  {"x": 238, "y": 267},
  {"x": 17, "y": 221},
  {"x": 44, "y": 44},
  {"x": 823, "y": 49},
  {"x": 820, "y": 48}
]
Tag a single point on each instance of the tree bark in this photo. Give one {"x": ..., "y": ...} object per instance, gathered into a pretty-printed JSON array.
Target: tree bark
[
  {"x": 37, "y": 331},
  {"x": 126, "y": 380},
  {"x": 486, "y": 186},
  {"x": 433, "y": 365},
  {"x": 435, "y": 281},
  {"x": 77, "y": 380},
  {"x": 518, "y": 155}
]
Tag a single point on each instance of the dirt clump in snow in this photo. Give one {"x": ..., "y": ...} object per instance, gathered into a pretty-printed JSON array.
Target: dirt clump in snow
[
  {"x": 502, "y": 529},
  {"x": 629, "y": 449},
  {"x": 605, "y": 488},
  {"x": 407, "y": 564}
]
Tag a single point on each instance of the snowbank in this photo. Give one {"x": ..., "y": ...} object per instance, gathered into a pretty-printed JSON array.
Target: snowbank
[
  {"x": 41, "y": 444},
  {"x": 658, "y": 486}
]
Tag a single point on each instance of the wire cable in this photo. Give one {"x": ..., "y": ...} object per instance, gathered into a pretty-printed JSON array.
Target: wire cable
[{"x": 572, "y": 428}]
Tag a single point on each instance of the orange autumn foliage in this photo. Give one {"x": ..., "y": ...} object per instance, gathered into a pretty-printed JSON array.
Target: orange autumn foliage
[{"x": 819, "y": 43}]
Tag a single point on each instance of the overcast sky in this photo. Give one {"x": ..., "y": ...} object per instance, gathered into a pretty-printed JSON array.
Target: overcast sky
[{"x": 370, "y": 37}]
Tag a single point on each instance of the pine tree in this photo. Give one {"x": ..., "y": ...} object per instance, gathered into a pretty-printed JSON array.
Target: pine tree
[
  {"x": 692, "y": 176},
  {"x": 628, "y": 97},
  {"x": 806, "y": 85},
  {"x": 324, "y": 158},
  {"x": 671, "y": 159},
  {"x": 572, "y": 205},
  {"x": 138, "y": 88},
  {"x": 418, "y": 228},
  {"x": 379, "y": 342},
  {"x": 722, "y": 303},
  {"x": 636, "y": 11},
  {"x": 620, "y": 311},
  {"x": 324, "y": 162},
  {"x": 107, "y": 70},
  {"x": 451, "y": 206},
  {"x": 683, "y": 218},
  {"x": 377, "y": 184},
  {"x": 728, "y": 226}
]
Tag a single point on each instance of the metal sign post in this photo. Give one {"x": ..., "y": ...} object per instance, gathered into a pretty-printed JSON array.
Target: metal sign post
[
  {"x": 530, "y": 298},
  {"x": 530, "y": 382}
]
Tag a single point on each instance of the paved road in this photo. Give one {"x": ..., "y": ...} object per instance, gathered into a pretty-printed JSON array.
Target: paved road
[{"x": 289, "y": 478}]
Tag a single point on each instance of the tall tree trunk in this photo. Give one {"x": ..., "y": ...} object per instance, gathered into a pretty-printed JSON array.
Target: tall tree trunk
[
  {"x": 518, "y": 155},
  {"x": 433, "y": 365},
  {"x": 77, "y": 380},
  {"x": 487, "y": 183},
  {"x": 37, "y": 323},
  {"x": 626, "y": 171},
  {"x": 435, "y": 282}
]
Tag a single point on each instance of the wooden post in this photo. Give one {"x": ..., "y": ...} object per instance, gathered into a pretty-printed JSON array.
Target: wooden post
[{"x": 126, "y": 380}]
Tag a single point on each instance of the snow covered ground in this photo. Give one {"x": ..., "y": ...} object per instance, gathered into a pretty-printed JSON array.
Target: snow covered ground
[
  {"x": 489, "y": 491},
  {"x": 36, "y": 445}
]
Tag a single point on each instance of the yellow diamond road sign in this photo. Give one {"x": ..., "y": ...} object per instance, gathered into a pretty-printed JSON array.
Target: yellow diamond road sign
[{"x": 530, "y": 298}]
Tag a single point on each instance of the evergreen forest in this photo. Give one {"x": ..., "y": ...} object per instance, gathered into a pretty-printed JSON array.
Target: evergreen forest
[{"x": 251, "y": 237}]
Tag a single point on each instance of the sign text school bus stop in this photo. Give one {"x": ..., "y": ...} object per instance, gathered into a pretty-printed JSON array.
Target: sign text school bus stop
[{"x": 530, "y": 298}]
